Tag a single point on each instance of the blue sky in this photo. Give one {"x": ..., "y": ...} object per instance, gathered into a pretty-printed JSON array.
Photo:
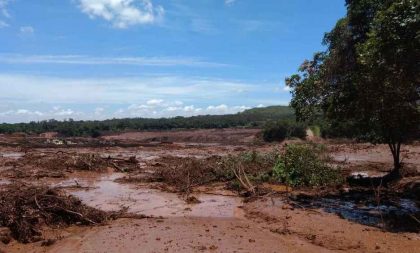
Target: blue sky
[{"x": 97, "y": 59}]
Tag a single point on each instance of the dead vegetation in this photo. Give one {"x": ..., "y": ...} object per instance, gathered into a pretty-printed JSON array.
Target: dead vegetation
[
  {"x": 186, "y": 173},
  {"x": 41, "y": 165},
  {"x": 241, "y": 171},
  {"x": 25, "y": 209}
]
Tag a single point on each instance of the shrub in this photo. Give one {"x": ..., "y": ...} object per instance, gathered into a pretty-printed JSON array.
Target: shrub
[
  {"x": 274, "y": 132},
  {"x": 306, "y": 165},
  {"x": 278, "y": 131},
  {"x": 298, "y": 131},
  {"x": 95, "y": 134}
]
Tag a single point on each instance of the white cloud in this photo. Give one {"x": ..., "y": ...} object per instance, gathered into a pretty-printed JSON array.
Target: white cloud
[
  {"x": 123, "y": 13},
  {"x": 65, "y": 112},
  {"x": 26, "y": 30},
  {"x": 58, "y": 90},
  {"x": 154, "y": 102},
  {"x": 218, "y": 109},
  {"x": 172, "y": 108},
  {"x": 90, "y": 60},
  {"x": 4, "y": 13},
  {"x": 169, "y": 109},
  {"x": 22, "y": 111},
  {"x": 166, "y": 109},
  {"x": 26, "y": 115},
  {"x": 230, "y": 2},
  {"x": 99, "y": 110},
  {"x": 287, "y": 88},
  {"x": 3, "y": 8},
  {"x": 35, "y": 97},
  {"x": 189, "y": 108}
]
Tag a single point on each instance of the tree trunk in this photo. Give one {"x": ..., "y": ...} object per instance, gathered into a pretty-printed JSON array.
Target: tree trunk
[{"x": 395, "y": 150}]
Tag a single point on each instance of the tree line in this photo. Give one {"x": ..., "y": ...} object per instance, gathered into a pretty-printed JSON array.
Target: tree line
[{"x": 256, "y": 117}]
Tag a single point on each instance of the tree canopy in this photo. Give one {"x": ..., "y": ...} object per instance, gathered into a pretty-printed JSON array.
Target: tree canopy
[{"x": 368, "y": 78}]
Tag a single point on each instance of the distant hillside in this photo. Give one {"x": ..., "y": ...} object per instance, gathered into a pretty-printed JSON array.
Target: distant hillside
[
  {"x": 255, "y": 117},
  {"x": 271, "y": 111}
]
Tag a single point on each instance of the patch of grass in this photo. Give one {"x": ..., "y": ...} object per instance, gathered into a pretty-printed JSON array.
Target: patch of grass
[{"x": 306, "y": 165}]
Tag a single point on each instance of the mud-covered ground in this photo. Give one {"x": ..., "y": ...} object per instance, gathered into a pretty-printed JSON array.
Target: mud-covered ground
[{"x": 122, "y": 173}]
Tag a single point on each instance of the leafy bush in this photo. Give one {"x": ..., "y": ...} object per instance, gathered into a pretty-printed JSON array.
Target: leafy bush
[
  {"x": 278, "y": 131},
  {"x": 274, "y": 132},
  {"x": 298, "y": 131},
  {"x": 305, "y": 165}
]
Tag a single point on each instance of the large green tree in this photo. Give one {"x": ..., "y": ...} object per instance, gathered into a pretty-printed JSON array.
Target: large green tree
[{"x": 368, "y": 78}]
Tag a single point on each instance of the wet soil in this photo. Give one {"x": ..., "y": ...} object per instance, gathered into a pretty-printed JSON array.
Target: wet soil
[
  {"x": 218, "y": 220},
  {"x": 105, "y": 193}
]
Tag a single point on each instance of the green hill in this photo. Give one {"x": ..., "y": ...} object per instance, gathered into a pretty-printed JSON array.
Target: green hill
[
  {"x": 271, "y": 111},
  {"x": 255, "y": 117}
]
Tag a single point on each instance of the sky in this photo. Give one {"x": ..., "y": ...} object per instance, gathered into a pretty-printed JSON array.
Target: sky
[{"x": 100, "y": 59}]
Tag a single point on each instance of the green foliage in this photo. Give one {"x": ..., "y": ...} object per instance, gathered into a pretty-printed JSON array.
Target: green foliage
[
  {"x": 258, "y": 166},
  {"x": 316, "y": 130},
  {"x": 280, "y": 130},
  {"x": 366, "y": 84},
  {"x": 250, "y": 118},
  {"x": 306, "y": 165},
  {"x": 389, "y": 61},
  {"x": 274, "y": 132}
]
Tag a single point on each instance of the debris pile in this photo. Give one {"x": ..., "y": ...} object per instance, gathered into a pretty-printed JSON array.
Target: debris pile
[
  {"x": 26, "y": 209},
  {"x": 40, "y": 165},
  {"x": 186, "y": 173}
]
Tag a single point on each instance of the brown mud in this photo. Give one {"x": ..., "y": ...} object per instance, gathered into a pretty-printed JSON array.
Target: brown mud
[{"x": 127, "y": 172}]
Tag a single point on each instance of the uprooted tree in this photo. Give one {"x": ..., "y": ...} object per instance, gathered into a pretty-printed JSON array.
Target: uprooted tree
[{"x": 368, "y": 78}]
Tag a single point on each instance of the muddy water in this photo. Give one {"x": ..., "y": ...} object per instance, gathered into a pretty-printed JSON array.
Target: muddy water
[
  {"x": 399, "y": 215},
  {"x": 106, "y": 194}
]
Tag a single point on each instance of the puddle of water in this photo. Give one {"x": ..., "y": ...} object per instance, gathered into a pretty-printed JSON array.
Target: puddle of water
[
  {"x": 112, "y": 196},
  {"x": 4, "y": 181},
  {"x": 12, "y": 155},
  {"x": 367, "y": 174},
  {"x": 396, "y": 216}
]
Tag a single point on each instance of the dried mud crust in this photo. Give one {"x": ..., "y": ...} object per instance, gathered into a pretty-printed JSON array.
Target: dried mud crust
[{"x": 25, "y": 209}]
